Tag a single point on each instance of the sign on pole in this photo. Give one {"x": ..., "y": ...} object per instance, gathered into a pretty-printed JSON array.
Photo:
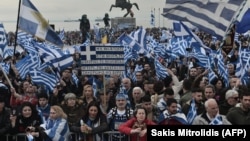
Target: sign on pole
[{"x": 102, "y": 60}]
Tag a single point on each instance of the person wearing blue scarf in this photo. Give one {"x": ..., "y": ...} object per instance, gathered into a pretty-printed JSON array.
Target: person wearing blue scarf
[{"x": 55, "y": 128}]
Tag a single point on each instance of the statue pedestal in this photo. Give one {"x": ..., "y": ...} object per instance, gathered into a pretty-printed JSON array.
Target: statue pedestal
[{"x": 123, "y": 22}]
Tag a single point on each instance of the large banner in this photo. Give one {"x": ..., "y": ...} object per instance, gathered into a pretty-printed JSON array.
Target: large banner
[{"x": 102, "y": 60}]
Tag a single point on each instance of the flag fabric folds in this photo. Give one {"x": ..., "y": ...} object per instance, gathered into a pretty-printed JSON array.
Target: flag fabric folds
[
  {"x": 213, "y": 17},
  {"x": 217, "y": 120},
  {"x": 3, "y": 39},
  {"x": 42, "y": 78},
  {"x": 243, "y": 23},
  {"x": 179, "y": 116},
  {"x": 132, "y": 43},
  {"x": 192, "y": 112},
  {"x": 32, "y": 22}
]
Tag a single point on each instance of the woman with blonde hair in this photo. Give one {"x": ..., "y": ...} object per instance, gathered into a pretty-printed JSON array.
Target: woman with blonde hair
[
  {"x": 88, "y": 95},
  {"x": 55, "y": 128}
]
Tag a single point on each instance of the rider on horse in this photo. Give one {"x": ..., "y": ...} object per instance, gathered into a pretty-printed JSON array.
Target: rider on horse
[
  {"x": 120, "y": 3},
  {"x": 124, "y": 4}
]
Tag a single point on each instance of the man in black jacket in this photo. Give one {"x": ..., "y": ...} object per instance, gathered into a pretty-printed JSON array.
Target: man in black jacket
[{"x": 4, "y": 119}]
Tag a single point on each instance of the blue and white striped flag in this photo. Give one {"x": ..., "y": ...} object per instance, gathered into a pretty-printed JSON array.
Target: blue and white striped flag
[
  {"x": 8, "y": 52},
  {"x": 140, "y": 36},
  {"x": 32, "y": 22},
  {"x": 94, "y": 86},
  {"x": 5, "y": 67},
  {"x": 132, "y": 43},
  {"x": 243, "y": 24},
  {"x": 25, "y": 41},
  {"x": 61, "y": 34},
  {"x": 222, "y": 69},
  {"x": 3, "y": 39},
  {"x": 192, "y": 112},
  {"x": 179, "y": 116},
  {"x": 161, "y": 71},
  {"x": 75, "y": 78},
  {"x": 43, "y": 78},
  {"x": 29, "y": 62},
  {"x": 213, "y": 17},
  {"x": 217, "y": 120}
]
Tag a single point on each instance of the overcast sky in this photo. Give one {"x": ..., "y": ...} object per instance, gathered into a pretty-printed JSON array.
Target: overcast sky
[{"x": 74, "y": 9}]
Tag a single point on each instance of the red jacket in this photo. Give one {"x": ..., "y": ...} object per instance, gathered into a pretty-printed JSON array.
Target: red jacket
[
  {"x": 127, "y": 127},
  {"x": 18, "y": 101}
]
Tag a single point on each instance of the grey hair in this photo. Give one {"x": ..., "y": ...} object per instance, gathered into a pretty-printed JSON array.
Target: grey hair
[
  {"x": 138, "y": 88},
  {"x": 230, "y": 93},
  {"x": 209, "y": 101}
]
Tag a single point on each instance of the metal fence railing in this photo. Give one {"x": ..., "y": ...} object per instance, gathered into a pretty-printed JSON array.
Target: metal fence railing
[{"x": 106, "y": 136}]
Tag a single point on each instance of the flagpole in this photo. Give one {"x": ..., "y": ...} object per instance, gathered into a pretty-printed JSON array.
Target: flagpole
[
  {"x": 15, "y": 44},
  {"x": 236, "y": 15},
  {"x": 104, "y": 90},
  {"x": 7, "y": 78}
]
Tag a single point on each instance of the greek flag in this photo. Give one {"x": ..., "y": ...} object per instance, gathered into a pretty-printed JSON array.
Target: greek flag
[
  {"x": 216, "y": 121},
  {"x": 94, "y": 86},
  {"x": 161, "y": 71},
  {"x": 125, "y": 39},
  {"x": 75, "y": 78},
  {"x": 24, "y": 40},
  {"x": 30, "y": 61},
  {"x": 222, "y": 70},
  {"x": 5, "y": 67},
  {"x": 140, "y": 36},
  {"x": 243, "y": 23},
  {"x": 192, "y": 112},
  {"x": 32, "y": 22},
  {"x": 42, "y": 78},
  {"x": 61, "y": 34},
  {"x": 177, "y": 116},
  {"x": 8, "y": 52},
  {"x": 3, "y": 39},
  {"x": 213, "y": 17}
]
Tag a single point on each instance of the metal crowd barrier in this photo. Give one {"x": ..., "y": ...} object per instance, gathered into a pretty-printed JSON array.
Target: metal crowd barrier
[
  {"x": 118, "y": 134},
  {"x": 106, "y": 136}
]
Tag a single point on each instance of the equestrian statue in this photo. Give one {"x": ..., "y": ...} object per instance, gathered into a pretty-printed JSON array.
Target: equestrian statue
[{"x": 124, "y": 4}]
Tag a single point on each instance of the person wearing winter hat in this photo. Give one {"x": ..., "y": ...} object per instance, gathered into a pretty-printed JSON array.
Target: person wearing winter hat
[
  {"x": 69, "y": 96},
  {"x": 118, "y": 115},
  {"x": 73, "y": 108},
  {"x": 120, "y": 96}
]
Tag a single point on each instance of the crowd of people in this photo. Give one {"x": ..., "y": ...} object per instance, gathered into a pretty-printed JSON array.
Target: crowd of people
[{"x": 122, "y": 107}]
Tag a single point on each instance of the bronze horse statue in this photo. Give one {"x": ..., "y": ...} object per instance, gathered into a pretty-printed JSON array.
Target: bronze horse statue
[{"x": 125, "y": 5}]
